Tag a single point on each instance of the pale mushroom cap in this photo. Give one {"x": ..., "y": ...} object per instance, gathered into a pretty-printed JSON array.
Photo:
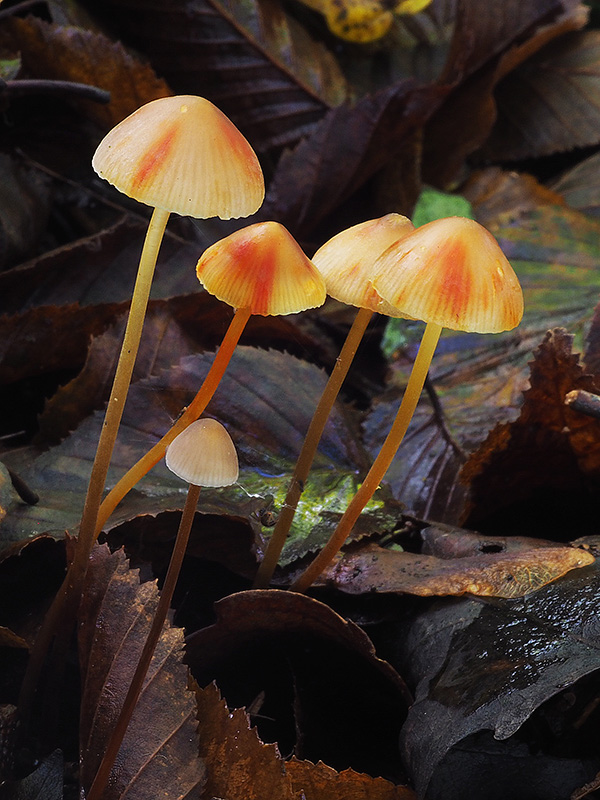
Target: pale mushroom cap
[
  {"x": 203, "y": 454},
  {"x": 347, "y": 260},
  {"x": 452, "y": 272},
  {"x": 182, "y": 154},
  {"x": 263, "y": 268}
]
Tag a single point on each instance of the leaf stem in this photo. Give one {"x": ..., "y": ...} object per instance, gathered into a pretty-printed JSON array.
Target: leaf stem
[
  {"x": 381, "y": 463},
  {"x": 183, "y": 534},
  {"x": 309, "y": 448},
  {"x": 189, "y": 415}
]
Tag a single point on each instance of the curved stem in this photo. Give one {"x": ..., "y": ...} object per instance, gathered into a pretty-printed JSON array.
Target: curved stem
[
  {"x": 309, "y": 448},
  {"x": 70, "y": 591},
  {"x": 183, "y": 534},
  {"x": 381, "y": 463},
  {"x": 189, "y": 415}
]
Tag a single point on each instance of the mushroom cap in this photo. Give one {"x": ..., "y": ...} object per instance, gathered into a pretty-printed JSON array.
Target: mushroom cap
[
  {"x": 182, "y": 154},
  {"x": 346, "y": 261},
  {"x": 203, "y": 454},
  {"x": 263, "y": 268},
  {"x": 451, "y": 272}
]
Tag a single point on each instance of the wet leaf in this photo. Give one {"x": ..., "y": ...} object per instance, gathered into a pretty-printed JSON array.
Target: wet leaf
[
  {"x": 67, "y": 53},
  {"x": 489, "y": 666},
  {"x": 266, "y": 400},
  {"x": 159, "y": 751},
  {"x": 45, "y": 783},
  {"x": 375, "y": 569},
  {"x": 273, "y": 80}
]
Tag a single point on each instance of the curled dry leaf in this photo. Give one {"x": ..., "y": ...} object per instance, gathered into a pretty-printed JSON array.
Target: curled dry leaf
[
  {"x": 375, "y": 569},
  {"x": 159, "y": 755},
  {"x": 240, "y": 767}
]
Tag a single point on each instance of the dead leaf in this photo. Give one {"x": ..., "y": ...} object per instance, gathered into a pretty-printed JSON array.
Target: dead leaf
[
  {"x": 320, "y": 782},
  {"x": 44, "y": 783},
  {"x": 306, "y": 662},
  {"x": 241, "y": 767},
  {"x": 238, "y": 765},
  {"x": 375, "y": 569},
  {"x": 580, "y": 187},
  {"x": 347, "y": 148},
  {"x": 550, "y": 103},
  {"x": 273, "y": 79},
  {"x": 159, "y": 751},
  {"x": 550, "y": 446},
  {"x": 67, "y": 53}
]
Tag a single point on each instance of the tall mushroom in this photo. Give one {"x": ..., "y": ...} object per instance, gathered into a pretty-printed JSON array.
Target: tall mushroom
[
  {"x": 202, "y": 455},
  {"x": 346, "y": 263},
  {"x": 176, "y": 154},
  {"x": 259, "y": 269},
  {"x": 449, "y": 273}
]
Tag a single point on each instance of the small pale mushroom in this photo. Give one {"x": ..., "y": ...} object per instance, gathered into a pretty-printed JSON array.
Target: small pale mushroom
[
  {"x": 346, "y": 262},
  {"x": 203, "y": 455},
  {"x": 259, "y": 269},
  {"x": 449, "y": 273}
]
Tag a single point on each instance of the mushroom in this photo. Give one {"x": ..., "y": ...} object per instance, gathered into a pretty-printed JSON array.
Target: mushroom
[
  {"x": 259, "y": 269},
  {"x": 346, "y": 263},
  {"x": 202, "y": 455},
  {"x": 177, "y": 154},
  {"x": 449, "y": 273}
]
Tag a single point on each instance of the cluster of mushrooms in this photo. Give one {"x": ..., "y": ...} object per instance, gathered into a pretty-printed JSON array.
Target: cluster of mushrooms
[{"x": 182, "y": 155}]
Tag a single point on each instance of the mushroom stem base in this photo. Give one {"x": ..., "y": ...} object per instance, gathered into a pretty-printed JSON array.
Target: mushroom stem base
[
  {"x": 183, "y": 534},
  {"x": 309, "y": 448},
  {"x": 381, "y": 463}
]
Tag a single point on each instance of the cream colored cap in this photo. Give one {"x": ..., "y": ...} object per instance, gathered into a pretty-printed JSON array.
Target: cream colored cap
[
  {"x": 451, "y": 272},
  {"x": 203, "y": 454},
  {"x": 182, "y": 154},
  {"x": 346, "y": 261},
  {"x": 263, "y": 268}
]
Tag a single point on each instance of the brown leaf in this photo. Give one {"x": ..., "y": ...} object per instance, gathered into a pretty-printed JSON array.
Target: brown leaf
[
  {"x": 549, "y": 446},
  {"x": 98, "y": 269},
  {"x": 241, "y": 767},
  {"x": 320, "y": 782},
  {"x": 272, "y": 78},
  {"x": 238, "y": 765},
  {"x": 580, "y": 186},
  {"x": 283, "y": 645},
  {"x": 159, "y": 752},
  {"x": 67, "y": 53},
  {"x": 375, "y": 569},
  {"x": 486, "y": 47},
  {"x": 550, "y": 104},
  {"x": 347, "y": 148}
]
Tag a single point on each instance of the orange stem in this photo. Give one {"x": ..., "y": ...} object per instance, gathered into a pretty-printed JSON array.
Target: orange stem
[
  {"x": 189, "y": 415},
  {"x": 382, "y": 462},
  {"x": 183, "y": 534},
  {"x": 309, "y": 448}
]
